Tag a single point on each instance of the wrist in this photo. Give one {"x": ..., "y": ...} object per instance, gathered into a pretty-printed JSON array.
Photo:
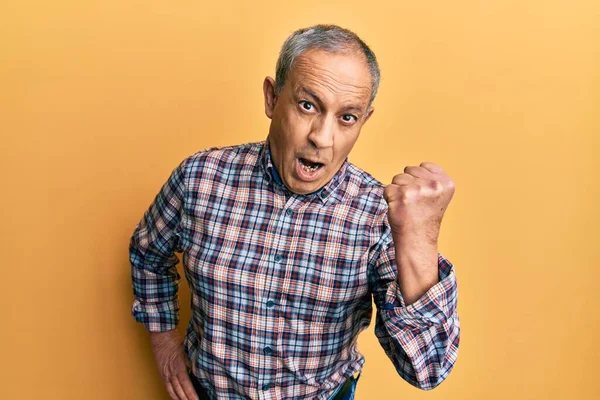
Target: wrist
[
  {"x": 414, "y": 244},
  {"x": 421, "y": 234},
  {"x": 159, "y": 338}
]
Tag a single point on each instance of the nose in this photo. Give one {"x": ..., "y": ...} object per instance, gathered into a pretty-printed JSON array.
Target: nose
[{"x": 322, "y": 132}]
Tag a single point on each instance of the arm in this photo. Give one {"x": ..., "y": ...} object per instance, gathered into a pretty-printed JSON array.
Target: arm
[
  {"x": 415, "y": 287},
  {"x": 153, "y": 262},
  {"x": 155, "y": 283}
]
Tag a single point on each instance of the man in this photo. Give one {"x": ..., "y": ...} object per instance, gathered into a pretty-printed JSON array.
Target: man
[{"x": 285, "y": 245}]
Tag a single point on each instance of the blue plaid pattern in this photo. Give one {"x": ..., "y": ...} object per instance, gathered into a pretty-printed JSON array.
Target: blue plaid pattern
[{"x": 282, "y": 284}]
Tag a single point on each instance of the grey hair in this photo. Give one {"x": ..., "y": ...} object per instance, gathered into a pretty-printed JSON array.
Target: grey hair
[{"x": 330, "y": 38}]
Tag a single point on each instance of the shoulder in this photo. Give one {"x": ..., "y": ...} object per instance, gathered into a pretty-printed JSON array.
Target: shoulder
[
  {"x": 246, "y": 152},
  {"x": 369, "y": 197},
  {"x": 222, "y": 159},
  {"x": 362, "y": 185}
]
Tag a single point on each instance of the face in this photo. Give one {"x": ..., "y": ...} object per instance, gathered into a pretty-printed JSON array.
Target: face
[{"x": 317, "y": 117}]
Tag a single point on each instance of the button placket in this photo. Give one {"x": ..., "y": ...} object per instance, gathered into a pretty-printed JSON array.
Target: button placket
[{"x": 283, "y": 223}]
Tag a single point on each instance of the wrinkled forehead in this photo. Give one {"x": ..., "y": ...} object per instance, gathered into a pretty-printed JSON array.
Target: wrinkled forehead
[{"x": 334, "y": 77}]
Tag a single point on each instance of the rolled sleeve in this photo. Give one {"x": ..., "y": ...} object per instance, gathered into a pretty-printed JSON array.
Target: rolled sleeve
[
  {"x": 433, "y": 308},
  {"x": 152, "y": 256}
]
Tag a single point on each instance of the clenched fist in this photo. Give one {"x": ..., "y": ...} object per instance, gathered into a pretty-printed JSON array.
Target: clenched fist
[{"x": 417, "y": 200}]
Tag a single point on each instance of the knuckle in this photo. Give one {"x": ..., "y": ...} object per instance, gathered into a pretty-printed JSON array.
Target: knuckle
[
  {"x": 408, "y": 193},
  {"x": 450, "y": 184},
  {"x": 397, "y": 178},
  {"x": 436, "y": 186}
]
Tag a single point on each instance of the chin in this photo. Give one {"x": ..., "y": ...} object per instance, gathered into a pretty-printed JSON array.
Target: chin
[{"x": 306, "y": 188}]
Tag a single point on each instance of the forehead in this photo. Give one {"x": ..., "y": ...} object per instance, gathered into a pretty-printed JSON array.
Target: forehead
[{"x": 335, "y": 76}]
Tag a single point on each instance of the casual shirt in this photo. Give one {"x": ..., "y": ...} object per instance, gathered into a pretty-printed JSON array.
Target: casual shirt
[{"x": 282, "y": 284}]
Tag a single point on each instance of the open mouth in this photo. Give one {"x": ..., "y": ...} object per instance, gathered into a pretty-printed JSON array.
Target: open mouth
[
  {"x": 309, "y": 166},
  {"x": 307, "y": 170}
]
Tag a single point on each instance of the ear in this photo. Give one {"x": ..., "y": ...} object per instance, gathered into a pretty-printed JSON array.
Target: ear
[
  {"x": 369, "y": 113},
  {"x": 270, "y": 92}
]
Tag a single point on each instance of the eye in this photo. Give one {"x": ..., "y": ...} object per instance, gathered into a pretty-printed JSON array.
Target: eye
[
  {"x": 306, "y": 105},
  {"x": 349, "y": 118}
]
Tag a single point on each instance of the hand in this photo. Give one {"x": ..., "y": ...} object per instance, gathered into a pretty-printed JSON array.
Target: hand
[
  {"x": 417, "y": 200},
  {"x": 172, "y": 364}
]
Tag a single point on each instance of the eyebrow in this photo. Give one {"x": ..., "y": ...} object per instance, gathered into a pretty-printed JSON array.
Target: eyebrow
[
  {"x": 302, "y": 89},
  {"x": 352, "y": 108},
  {"x": 349, "y": 107}
]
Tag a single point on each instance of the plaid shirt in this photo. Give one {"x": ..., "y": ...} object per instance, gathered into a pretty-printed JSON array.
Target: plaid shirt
[{"x": 281, "y": 283}]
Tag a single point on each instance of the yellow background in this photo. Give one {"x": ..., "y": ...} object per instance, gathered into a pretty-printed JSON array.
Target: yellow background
[{"x": 99, "y": 101}]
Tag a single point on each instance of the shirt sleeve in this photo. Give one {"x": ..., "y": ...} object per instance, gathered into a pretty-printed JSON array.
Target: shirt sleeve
[
  {"x": 422, "y": 338},
  {"x": 152, "y": 256}
]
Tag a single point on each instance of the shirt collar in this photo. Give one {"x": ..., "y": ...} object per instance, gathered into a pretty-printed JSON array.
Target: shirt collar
[{"x": 272, "y": 176}]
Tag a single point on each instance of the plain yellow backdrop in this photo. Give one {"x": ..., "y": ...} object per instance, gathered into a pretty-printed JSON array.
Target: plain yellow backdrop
[{"x": 99, "y": 101}]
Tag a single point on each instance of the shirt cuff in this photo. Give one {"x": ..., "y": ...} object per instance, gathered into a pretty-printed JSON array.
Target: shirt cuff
[
  {"x": 157, "y": 317},
  {"x": 433, "y": 308}
]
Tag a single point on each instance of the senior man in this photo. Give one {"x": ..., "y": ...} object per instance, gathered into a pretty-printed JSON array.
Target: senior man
[{"x": 285, "y": 245}]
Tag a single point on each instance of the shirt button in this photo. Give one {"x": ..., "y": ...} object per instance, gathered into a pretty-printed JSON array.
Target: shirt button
[
  {"x": 277, "y": 258},
  {"x": 268, "y": 351},
  {"x": 289, "y": 211},
  {"x": 270, "y": 304},
  {"x": 266, "y": 387}
]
